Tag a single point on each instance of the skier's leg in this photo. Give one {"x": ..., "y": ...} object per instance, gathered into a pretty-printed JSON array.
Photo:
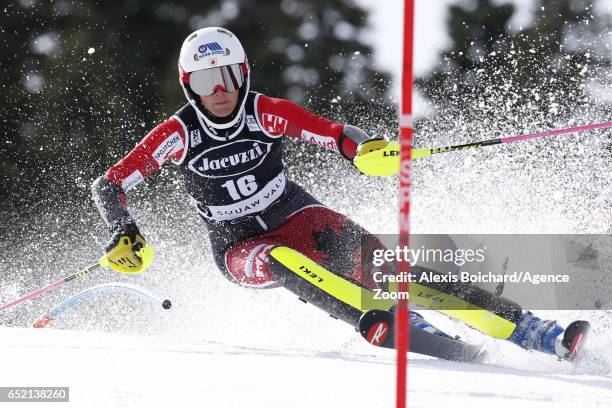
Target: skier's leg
[
  {"x": 335, "y": 242},
  {"x": 328, "y": 238},
  {"x": 251, "y": 264},
  {"x": 332, "y": 240},
  {"x": 319, "y": 235}
]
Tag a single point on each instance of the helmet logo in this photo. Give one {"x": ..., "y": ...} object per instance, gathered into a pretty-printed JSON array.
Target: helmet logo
[
  {"x": 227, "y": 51},
  {"x": 208, "y": 50},
  {"x": 213, "y": 61},
  {"x": 214, "y": 46}
]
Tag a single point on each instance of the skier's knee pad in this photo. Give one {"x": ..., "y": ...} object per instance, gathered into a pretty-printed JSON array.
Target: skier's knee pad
[{"x": 246, "y": 263}]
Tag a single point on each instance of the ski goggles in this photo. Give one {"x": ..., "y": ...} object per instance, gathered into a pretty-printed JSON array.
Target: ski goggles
[{"x": 227, "y": 78}]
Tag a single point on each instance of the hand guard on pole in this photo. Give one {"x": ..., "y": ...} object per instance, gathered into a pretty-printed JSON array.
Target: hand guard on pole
[
  {"x": 127, "y": 250},
  {"x": 377, "y": 157}
]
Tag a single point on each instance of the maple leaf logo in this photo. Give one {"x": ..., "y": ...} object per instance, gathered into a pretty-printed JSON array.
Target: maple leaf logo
[{"x": 341, "y": 250}]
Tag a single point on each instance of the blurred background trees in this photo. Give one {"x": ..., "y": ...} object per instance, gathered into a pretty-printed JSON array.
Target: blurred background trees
[
  {"x": 83, "y": 80},
  {"x": 553, "y": 64}
]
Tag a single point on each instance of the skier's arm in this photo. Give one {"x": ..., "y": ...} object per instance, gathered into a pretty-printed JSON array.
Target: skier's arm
[
  {"x": 280, "y": 116},
  {"x": 165, "y": 142}
]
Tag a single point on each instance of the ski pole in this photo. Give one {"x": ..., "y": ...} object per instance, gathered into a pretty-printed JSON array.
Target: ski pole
[
  {"x": 418, "y": 153},
  {"x": 54, "y": 285}
]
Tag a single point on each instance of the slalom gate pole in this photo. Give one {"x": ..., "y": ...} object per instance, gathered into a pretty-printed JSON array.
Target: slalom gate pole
[
  {"x": 402, "y": 333},
  {"x": 54, "y": 285},
  {"x": 418, "y": 153}
]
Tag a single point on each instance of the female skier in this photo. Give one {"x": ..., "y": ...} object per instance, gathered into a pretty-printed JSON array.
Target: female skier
[{"x": 226, "y": 143}]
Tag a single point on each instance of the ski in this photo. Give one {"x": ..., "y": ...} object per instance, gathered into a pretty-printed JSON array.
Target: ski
[{"x": 378, "y": 327}]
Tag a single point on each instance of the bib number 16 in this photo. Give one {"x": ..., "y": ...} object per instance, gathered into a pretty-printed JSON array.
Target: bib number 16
[{"x": 241, "y": 188}]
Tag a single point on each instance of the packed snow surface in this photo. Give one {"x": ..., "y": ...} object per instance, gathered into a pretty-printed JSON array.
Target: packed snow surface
[{"x": 118, "y": 370}]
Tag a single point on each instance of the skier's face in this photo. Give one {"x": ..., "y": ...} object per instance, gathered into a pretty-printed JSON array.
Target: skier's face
[{"x": 221, "y": 103}]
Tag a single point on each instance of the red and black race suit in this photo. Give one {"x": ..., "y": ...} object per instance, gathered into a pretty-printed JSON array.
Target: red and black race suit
[
  {"x": 235, "y": 176},
  {"x": 229, "y": 173},
  {"x": 237, "y": 172}
]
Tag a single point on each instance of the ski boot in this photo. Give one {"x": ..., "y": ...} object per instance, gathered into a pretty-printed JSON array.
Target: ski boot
[{"x": 547, "y": 336}]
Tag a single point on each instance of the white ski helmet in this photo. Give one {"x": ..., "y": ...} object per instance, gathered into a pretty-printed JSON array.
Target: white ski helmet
[{"x": 212, "y": 58}]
